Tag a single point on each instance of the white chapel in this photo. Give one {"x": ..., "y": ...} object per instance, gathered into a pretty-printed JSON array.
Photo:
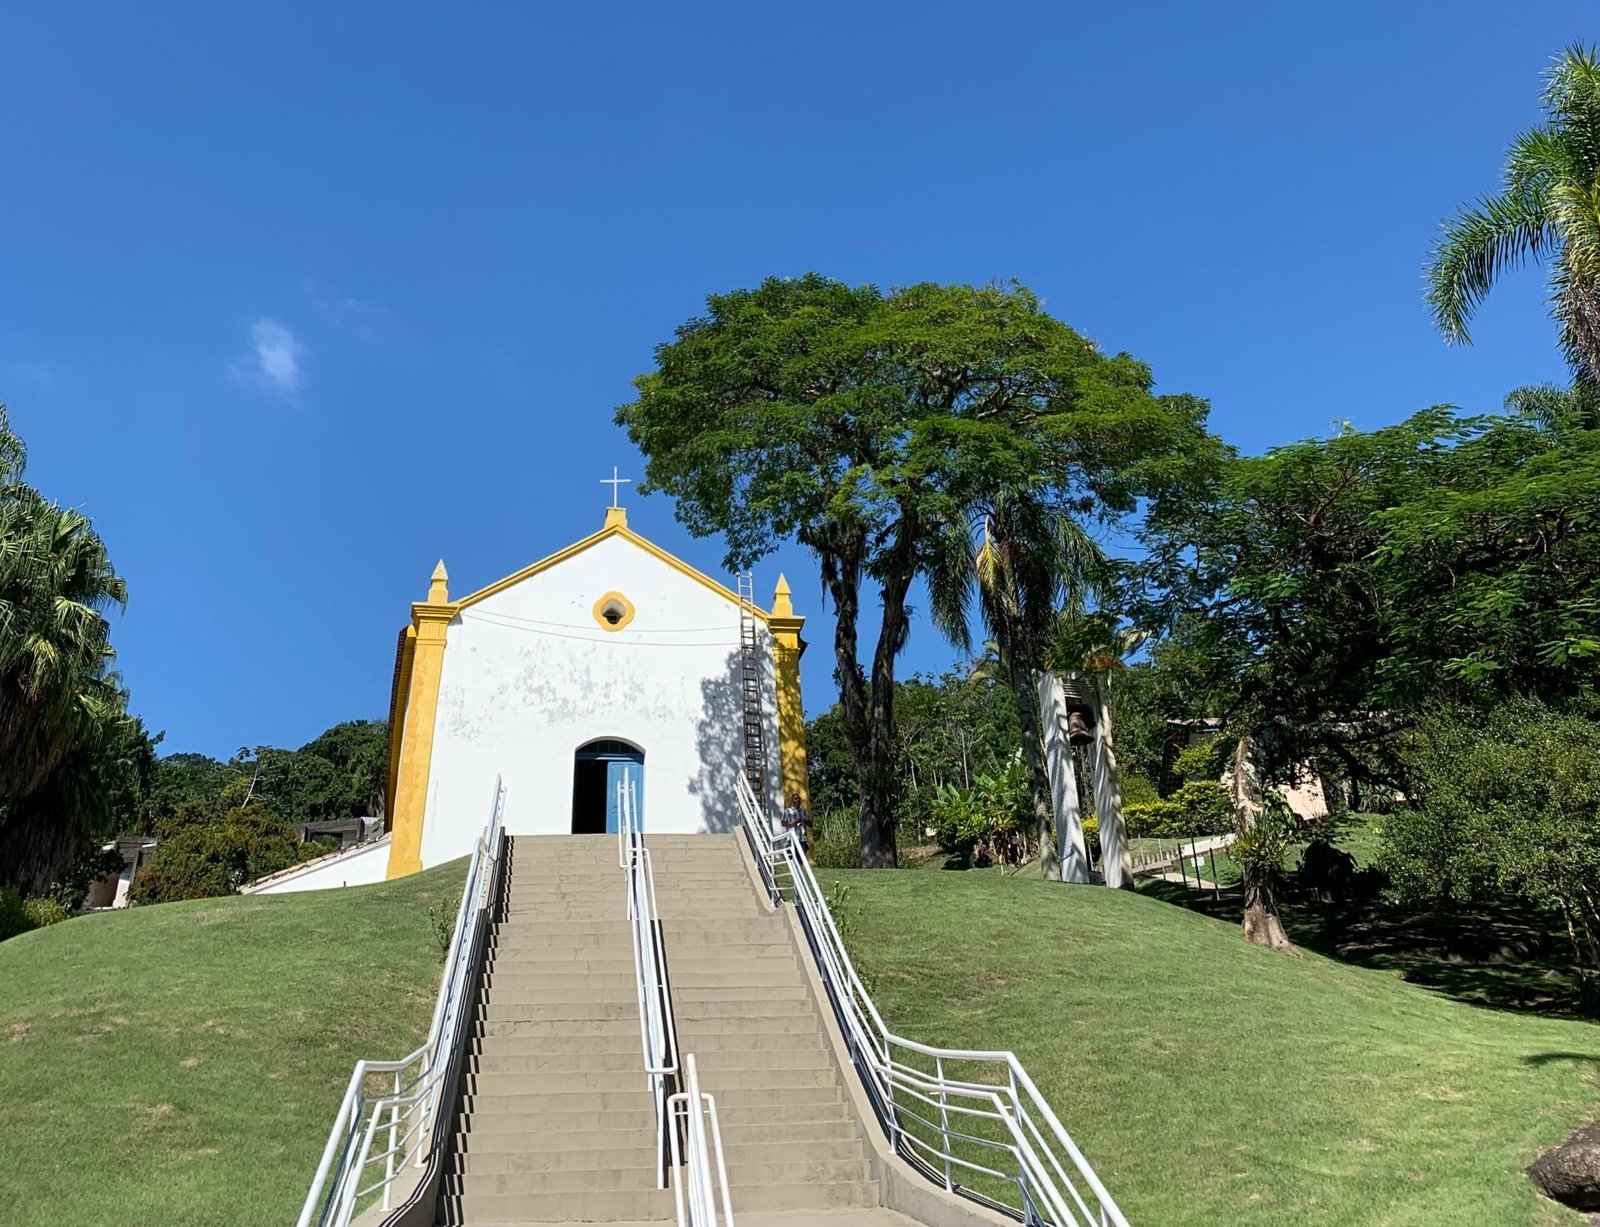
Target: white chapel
[{"x": 609, "y": 659}]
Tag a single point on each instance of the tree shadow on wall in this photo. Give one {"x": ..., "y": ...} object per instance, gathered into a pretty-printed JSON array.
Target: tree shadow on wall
[{"x": 719, "y": 741}]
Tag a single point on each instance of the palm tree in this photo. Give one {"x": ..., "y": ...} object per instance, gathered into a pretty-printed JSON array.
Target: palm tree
[
  {"x": 58, "y": 695},
  {"x": 1023, "y": 556},
  {"x": 1549, "y": 210}
]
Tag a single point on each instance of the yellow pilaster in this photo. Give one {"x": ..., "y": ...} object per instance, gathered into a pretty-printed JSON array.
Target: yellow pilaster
[
  {"x": 787, "y": 647},
  {"x": 430, "y": 618}
]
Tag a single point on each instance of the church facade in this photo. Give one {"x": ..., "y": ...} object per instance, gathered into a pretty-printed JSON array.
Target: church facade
[{"x": 610, "y": 660}]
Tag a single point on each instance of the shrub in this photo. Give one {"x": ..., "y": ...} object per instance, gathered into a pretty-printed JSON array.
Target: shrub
[
  {"x": 836, "y": 841},
  {"x": 1507, "y": 804},
  {"x": 204, "y": 854},
  {"x": 44, "y": 910},
  {"x": 986, "y": 823},
  {"x": 13, "y": 914},
  {"x": 1200, "y": 807},
  {"x": 1137, "y": 790}
]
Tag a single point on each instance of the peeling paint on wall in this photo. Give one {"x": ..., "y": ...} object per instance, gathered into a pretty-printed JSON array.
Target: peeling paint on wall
[{"x": 529, "y": 676}]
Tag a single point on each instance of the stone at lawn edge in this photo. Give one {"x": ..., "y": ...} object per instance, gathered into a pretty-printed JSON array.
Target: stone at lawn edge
[{"x": 1570, "y": 1172}]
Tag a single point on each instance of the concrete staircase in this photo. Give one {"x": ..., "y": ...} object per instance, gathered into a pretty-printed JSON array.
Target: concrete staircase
[
  {"x": 744, "y": 1009},
  {"x": 555, "y": 1122}
]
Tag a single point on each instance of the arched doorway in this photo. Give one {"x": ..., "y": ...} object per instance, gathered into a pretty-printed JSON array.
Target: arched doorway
[{"x": 597, "y": 768}]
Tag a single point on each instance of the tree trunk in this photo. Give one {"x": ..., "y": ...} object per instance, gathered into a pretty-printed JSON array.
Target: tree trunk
[
  {"x": 1033, "y": 759},
  {"x": 867, "y": 707},
  {"x": 1263, "y": 923},
  {"x": 877, "y": 814}
]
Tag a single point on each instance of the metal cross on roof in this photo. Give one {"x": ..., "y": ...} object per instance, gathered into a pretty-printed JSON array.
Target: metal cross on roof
[{"x": 616, "y": 483}]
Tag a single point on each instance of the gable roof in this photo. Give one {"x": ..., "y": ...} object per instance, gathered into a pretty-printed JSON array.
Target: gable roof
[{"x": 616, "y": 526}]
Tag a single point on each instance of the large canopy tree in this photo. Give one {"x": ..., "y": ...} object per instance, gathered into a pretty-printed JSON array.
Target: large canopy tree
[
  {"x": 1549, "y": 210},
  {"x": 1329, "y": 590},
  {"x": 861, "y": 423}
]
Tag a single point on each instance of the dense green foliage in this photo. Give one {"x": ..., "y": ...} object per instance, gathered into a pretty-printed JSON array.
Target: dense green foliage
[
  {"x": 988, "y": 821},
  {"x": 206, "y": 852},
  {"x": 1321, "y": 595},
  {"x": 949, "y": 730},
  {"x": 222, "y": 825},
  {"x": 72, "y": 760},
  {"x": 1507, "y": 803},
  {"x": 866, "y": 425},
  {"x": 182, "y": 1064},
  {"x": 1198, "y": 807}
]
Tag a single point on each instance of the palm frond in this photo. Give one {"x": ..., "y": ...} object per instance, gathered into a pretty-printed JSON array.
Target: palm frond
[{"x": 1477, "y": 246}]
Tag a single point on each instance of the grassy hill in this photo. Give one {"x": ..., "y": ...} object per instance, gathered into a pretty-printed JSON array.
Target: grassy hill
[
  {"x": 182, "y": 1063},
  {"x": 1211, "y": 1081}
]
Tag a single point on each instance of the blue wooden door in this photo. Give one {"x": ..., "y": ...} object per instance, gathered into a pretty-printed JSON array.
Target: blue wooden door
[
  {"x": 622, "y": 763},
  {"x": 618, "y": 772}
]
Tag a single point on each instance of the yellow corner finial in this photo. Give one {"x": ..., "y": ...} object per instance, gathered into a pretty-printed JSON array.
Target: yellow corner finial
[
  {"x": 437, "y": 593},
  {"x": 782, "y": 606},
  {"x": 616, "y": 517}
]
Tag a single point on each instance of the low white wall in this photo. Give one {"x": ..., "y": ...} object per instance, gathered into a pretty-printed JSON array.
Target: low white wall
[{"x": 360, "y": 866}]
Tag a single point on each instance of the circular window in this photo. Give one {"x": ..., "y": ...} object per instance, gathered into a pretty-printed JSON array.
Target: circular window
[{"x": 613, "y": 611}]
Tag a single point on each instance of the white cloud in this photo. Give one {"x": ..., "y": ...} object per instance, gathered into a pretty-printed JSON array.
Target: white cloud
[{"x": 278, "y": 356}]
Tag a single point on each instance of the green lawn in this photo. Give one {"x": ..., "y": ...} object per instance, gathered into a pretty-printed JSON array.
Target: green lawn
[
  {"x": 1212, "y": 1082},
  {"x": 180, "y": 1064}
]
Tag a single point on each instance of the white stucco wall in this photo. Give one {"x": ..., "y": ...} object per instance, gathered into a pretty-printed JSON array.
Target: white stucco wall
[
  {"x": 529, "y": 676},
  {"x": 359, "y": 866}
]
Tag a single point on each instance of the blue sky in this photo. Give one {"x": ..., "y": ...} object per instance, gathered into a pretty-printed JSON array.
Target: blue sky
[{"x": 299, "y": 298}]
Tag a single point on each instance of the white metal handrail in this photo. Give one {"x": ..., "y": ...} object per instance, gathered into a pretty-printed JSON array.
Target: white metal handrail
[
  {"x": 694, "y": 1116},
  {"x": 658, "y": 1031},
  {"x": 683, "y": 1141},
  {"x": 401, "y": 1119},
  {"x": 992, "y": 1123}
]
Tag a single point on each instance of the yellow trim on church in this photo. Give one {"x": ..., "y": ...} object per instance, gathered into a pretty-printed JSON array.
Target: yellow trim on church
[
  {"x": 599, "y": 611},
  {"x": 429, "y": 621},
  {"x": 616, "y": 526},
  {"x": 787, "y": 648}
]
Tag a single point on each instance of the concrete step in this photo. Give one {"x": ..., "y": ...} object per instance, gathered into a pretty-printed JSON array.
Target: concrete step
[
  {"x": 502, "y": 1119},
  {"x": 792, "y": 990},
  {"x": 759, "y": 958},
  {"x": 714, "y": 1060},
  {"x": 581, "y": 1050},
  {"x": 698, "y": 1020},
  {"x": 746, "y": 1157},
  {"x": 734, "y": 973},
  {"x": 694, "y": 1009},
  {"x": 763, "y": 1116},
  {"x": 572, "y": 1142},
  {"x": 777, "y": 1107},
  {"x": 492, "y": 1098},
  {"x": 498, "y": 1061},
  {"x": 612, "y": 1207},
  {"x": 770, "y": 1197},
  {"x": 630, "y": 1154},
  {"x": 759, "y": 1174},
  {"x": 498, "y": 1081},
  {"x": 610, "y": 988},
  {"x": 516, "y": 1023},
  {"x": 502, "y": 1009},
  {"x": 577, "y": 1049},
  {"x": 564, "y": 1179}
]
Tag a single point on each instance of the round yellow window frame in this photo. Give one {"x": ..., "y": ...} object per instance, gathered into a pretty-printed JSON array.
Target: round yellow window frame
[{"x": 610, "y": 603}]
